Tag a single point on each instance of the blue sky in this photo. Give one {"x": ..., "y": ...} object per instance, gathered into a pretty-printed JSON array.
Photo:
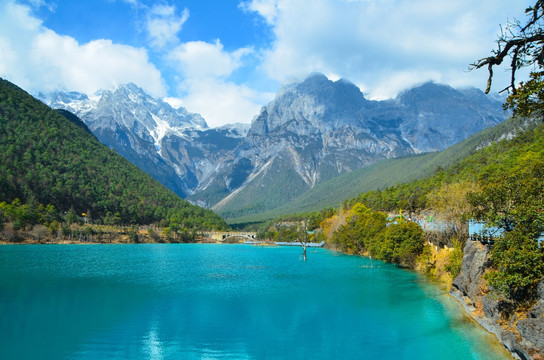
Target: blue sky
[{"x": 225, "y": 59}]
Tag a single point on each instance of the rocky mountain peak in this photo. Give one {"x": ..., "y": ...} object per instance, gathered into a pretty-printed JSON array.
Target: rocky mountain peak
[
  {"x": 313, "y": 82},
  {"x": 428, "y": 92},
  {"x": 129, "y": 95},
  {"x": 72, "y": 101},
  {"x": 127, "y": 104},
  {"x": 67, "y": 97},
  {"x": 132, "y": 93},
  {"x": 437, "y": 116},
  {"x": 323, "y": 103}
]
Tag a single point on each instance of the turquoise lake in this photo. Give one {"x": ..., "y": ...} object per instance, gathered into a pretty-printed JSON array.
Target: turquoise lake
[{"x": 197, "y": 301}]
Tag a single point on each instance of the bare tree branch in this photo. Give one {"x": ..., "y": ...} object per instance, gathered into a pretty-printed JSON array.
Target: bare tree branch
[{"x": 524, "y": 44}]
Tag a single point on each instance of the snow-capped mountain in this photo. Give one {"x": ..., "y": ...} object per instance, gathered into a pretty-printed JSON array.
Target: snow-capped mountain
[
  {"x": 136, "y": 126},
  {"x": 312, "y": 131},
  {"x": 129, "y": 107}
]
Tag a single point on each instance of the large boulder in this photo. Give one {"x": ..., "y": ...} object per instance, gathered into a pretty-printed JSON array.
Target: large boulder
[{"x": 531, "y": 329}]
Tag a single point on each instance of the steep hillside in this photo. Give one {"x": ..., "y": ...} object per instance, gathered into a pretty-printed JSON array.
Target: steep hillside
[
  {"x": 46, "y": 158},
  {"x": 388, "y": 173}
]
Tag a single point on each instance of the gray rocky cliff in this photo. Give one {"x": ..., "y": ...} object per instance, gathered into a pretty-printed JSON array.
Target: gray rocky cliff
[{"x": 522, "y": 335}]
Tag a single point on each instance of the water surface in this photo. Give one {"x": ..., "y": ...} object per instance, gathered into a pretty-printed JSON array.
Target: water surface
[{"x": 196, "y": 301}]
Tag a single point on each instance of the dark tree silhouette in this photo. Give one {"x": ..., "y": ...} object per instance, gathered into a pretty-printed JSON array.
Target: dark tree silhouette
[{"x": 523, "y": 44}]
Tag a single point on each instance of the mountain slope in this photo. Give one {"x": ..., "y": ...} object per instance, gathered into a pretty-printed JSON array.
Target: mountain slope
[
  {"x": 172, "y": 145},
  {"x": 47, "y": 158},
  {"x": 320, "y": 129},
  {"x": 390, "y": 172}
]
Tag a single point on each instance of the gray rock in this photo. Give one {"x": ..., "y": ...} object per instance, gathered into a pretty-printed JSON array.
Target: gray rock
[
  {"x": 537, "y": 311},
  {"x": 512, "y": 343},
  {"x": 528, "y": 342},
  {"x": 475, "y": 262},
  {"x": 491, "y": 308},
  {"x": 532, "y": 330},
  {"x": 540, "y": 289}
]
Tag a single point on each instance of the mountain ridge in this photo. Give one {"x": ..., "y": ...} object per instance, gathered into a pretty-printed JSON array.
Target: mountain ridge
[
  {"x": 331, "y": 139},
  {"x": 388, "y": 172},
  {"x": 313, "y": 131}
]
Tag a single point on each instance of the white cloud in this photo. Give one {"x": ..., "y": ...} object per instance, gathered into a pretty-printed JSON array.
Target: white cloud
[
  {"x": 199, "y": 58},
  {"x": 205, "y": 69},
  {"x": 38, "y": 59},
  {"x": 383, "y": 45},
  {"x": 42, "y": 3},
  {"x": 268, "y": 9},
  {"x": 397, "y": 81},
  {"x": 163, "y": 25},
  {"x": 98, "y": 64},
  {"x": 221, "y": 102}
]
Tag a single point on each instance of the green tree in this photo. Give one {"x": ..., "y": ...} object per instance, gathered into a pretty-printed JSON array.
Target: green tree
[
  {"x": 450, "y": 200},
  {"x": 71, "y": 217},
  {"x": 519, "y": 265},
  {"x": 54, "y": 227},
  {"x": 112, "y": 219},
  {"x": 133, "y": 235},
  {"x": 455, "y": 260},
  {"x": 401, "y": 243},
  {"x": 287, "y": 233},
  {"x": 529, "y": 96},
  {"x": 362, "y": 231},
  {"x": 514, "y": 202},
  {"x": 167, "y": 233},
  {"x": 515, "y": 199}
]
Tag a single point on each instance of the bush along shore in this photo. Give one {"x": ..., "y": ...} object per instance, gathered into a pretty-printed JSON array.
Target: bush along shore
[
  {"x": 97, "y": 234},
  {"x": 38, "y": 224}
]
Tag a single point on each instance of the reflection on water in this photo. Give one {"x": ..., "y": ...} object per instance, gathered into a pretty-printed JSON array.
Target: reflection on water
[{"x": 222, "y": 302}]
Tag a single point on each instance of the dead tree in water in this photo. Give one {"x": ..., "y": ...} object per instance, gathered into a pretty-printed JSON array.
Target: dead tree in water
[{"x": 303, "y": 238}]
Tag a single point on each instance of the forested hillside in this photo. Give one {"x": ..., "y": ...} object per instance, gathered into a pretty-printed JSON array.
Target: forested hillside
[
  {"x": 47, "y": 159},
  {"x": 519, "y": 158}
]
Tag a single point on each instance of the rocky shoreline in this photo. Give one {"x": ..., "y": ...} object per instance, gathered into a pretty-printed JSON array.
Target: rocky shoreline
[{"x": 523, "y": 332}]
